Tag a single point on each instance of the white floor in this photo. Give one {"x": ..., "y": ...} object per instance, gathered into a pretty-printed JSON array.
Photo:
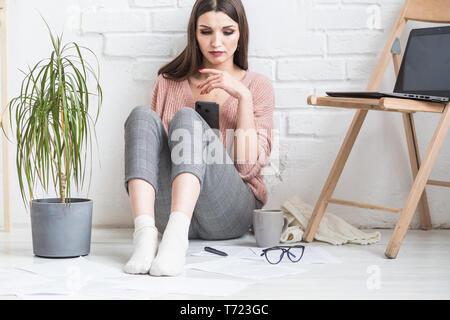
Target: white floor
[{"x": 421, "y": 270}]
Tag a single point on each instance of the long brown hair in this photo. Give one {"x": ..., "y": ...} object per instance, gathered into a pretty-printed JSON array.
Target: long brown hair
[{"x": 189, "y": 61}]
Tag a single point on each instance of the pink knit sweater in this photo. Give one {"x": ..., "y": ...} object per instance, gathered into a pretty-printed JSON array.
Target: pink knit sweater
[{"x": 169, "y": 96}]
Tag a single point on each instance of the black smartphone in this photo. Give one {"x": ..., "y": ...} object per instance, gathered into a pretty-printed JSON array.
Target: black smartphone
[{"x": 209, "y": 111}]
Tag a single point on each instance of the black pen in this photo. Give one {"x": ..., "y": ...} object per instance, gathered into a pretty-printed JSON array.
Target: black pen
[{"x": 215, "y": 251}]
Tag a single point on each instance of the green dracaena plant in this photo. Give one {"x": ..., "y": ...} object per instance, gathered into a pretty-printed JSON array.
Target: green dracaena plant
[{"x": 53, "y": 126}]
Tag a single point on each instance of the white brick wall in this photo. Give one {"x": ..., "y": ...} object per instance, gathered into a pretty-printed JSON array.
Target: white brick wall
[
  {"x": 114, "y": 21},
  {"x": 303, "y": 46}
]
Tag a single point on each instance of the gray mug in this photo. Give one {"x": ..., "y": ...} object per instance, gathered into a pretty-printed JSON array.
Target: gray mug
[{"x": 268, "y": 225}]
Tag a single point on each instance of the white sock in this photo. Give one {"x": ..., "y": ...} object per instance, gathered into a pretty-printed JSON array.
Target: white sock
[
  {"x": 172, "y": 249},
  {"x": 145, "y": 241}
]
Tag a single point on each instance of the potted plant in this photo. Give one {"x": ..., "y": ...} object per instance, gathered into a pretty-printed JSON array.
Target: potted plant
[{"x": 53, "y": 130}]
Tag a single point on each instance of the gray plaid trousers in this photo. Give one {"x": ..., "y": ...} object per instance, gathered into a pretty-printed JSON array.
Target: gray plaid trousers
[{"x": 225, "y": 204}]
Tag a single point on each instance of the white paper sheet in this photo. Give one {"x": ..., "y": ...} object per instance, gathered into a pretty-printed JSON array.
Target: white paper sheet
[
  {"x": 133, "y": 287},
  {"x": 75, "y": 277},
  {"x": 312, "y": 255},
  {"x": 80, "y": 278},
  {"x": 75, "y": 268},
  {"x": 186, "y": 285},
  {"x": 115, "y": 294},
  {"x": 232, "y": 251},
  {"x": 11, "y": 280},
  {"x": 316, "y": 255},
  {"x": 94, "y": 289},
  {"x": 245, "y": 268}
]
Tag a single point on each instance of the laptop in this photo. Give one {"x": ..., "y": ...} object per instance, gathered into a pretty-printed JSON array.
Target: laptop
[{"x": 425, "y": 70}]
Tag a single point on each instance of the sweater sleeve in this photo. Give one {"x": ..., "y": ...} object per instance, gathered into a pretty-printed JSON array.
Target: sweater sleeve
[{"x": 263, "y": 105}]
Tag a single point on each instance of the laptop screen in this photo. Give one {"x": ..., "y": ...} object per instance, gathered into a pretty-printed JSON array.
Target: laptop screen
[{"x": 425, "y": 68}]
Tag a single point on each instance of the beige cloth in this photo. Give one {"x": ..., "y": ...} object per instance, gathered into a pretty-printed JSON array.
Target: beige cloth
[{"x": 332, "y": 229}]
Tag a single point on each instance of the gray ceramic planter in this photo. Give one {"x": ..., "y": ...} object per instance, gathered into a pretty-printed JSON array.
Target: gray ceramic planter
[{"x": 60, "y": 230}]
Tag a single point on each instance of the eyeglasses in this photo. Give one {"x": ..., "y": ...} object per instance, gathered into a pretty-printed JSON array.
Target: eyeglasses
[{"x": 275, "y": 254}]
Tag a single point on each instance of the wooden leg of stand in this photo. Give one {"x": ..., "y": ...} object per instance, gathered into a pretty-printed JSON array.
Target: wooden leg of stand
[
  {"x": 333, "y": 177},
  {"x": 414, "y": 158},
  {"x": 6, "y": 195},
  {"x": 4, "y": 101},
  {"x": 419, "y": 184}
]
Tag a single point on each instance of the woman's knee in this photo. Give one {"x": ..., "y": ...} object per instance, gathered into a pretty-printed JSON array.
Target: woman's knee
[
  {"x": 185, "y": 112},
  {"x": 183, "y": 117},
  {"x": 140, "y": 113}
]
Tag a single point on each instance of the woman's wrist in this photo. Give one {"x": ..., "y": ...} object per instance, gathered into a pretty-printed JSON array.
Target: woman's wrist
[{"x": 245, "y": 96}]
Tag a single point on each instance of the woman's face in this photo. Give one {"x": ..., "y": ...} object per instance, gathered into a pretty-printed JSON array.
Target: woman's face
[{"x": 217, "y": 35}]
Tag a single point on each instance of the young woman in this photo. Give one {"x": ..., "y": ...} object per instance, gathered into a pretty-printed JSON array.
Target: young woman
[{"x": 198, "y": 199}]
